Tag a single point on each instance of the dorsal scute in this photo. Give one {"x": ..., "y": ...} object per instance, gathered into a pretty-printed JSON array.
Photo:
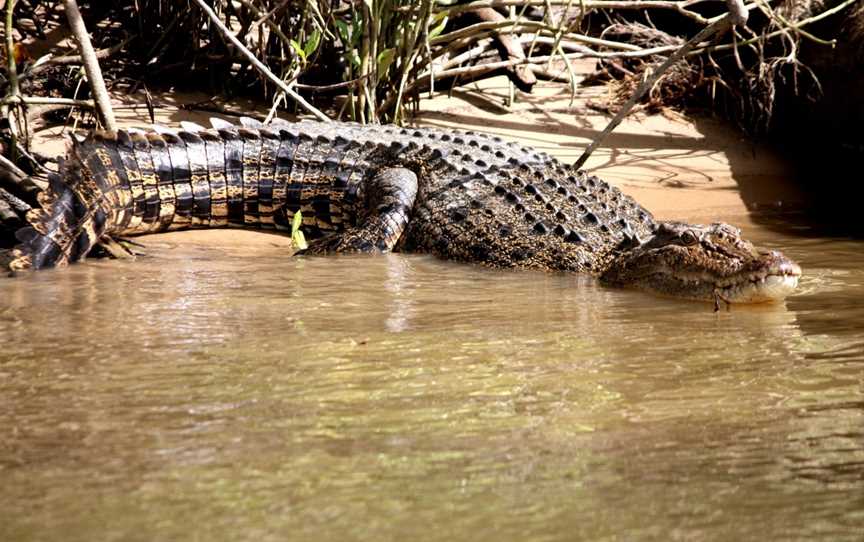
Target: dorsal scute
[
  {"x": 138, "y": 139},
  {"x": 155, "y": 140},
  {"x": 221, "y": 124},
  {"x": 159, "y": 129},
  {"x": 249, "y": 122},
  {"x": 189, "y": 137},
  {"x": 229, "y": 134},
  {"x": 249, "y": 134},
  {"x": 191, "y": 126},
  {"x": 210, "y": 135},
  {"x": 123, "y": 138}
]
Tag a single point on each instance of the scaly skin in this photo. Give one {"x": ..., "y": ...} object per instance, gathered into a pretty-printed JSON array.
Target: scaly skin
[
  {"x": 706, "y": 263},
  {"x": 459, "y": 195}
]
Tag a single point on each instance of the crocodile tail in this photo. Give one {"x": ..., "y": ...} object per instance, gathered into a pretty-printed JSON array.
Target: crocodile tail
[{"x": 70, "y": 220}]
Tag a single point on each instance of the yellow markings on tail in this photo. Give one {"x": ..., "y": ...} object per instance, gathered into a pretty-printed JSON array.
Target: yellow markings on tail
[
  {"x": 200, "y": 184},
  {"x": 167, "y": 206},
  {"x": 265, "y": 210},
  {"x": 218, "y": 199},
  {"x": 121, "y": 199},
  {"x": 137, "y": 190}
]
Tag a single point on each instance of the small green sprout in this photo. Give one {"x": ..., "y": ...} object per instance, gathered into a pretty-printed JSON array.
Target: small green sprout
[{"x": 297, "y": 236}]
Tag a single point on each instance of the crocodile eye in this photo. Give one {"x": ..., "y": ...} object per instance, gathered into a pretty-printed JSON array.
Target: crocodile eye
[{"x": 689, "y": 238}]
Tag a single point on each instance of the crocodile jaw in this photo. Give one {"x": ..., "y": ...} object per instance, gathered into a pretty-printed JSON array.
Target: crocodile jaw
[
  {"x": 775, "y": 284},
  {"x": 770, "y": 285},
  {"x": 706, "y": 263}
]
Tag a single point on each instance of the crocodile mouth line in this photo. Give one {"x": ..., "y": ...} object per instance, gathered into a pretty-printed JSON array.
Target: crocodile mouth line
[{"x": 771, "y": 285}]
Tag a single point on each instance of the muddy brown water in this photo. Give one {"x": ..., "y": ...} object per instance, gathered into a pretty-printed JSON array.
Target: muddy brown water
[{"x": 223, "y": 394}]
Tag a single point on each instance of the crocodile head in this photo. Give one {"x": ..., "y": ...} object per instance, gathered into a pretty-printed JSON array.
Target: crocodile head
[{"x": 710, "y": 263}]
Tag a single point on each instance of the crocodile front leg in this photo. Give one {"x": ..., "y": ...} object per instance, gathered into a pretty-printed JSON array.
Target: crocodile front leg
[{"x": 389, "y": 198}]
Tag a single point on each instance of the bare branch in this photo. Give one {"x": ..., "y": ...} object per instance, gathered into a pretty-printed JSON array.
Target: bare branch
[
  {"x": 14, "y": 170},
  {"x": 101, "y": 54},
  {"x": 585, "y": 5},
  {"x": 737, "y": 12},
  {"x": 11, "y": 68},
  {"x": 258, "y": 64},
  {"x": 91, "y": 64},
  {"x": 719, "y": 26}
]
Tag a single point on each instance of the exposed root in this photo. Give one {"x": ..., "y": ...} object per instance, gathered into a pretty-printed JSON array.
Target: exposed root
[{"x": 742, "y": 79}]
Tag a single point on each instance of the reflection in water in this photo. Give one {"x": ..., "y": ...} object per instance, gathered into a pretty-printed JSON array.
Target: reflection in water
[
  {"x": 399, "y": 292},
  {"x": 243, "y": 393}
]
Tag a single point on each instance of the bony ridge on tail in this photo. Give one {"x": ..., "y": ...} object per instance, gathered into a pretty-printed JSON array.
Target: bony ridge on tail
[{"x": 460, "y": 195}]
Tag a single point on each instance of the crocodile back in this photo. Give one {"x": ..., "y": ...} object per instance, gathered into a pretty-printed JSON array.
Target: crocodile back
[{"x": 479, "y": 198}]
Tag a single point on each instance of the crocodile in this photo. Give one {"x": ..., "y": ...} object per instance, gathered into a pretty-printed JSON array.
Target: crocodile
[{"x": 460, "y": 195}]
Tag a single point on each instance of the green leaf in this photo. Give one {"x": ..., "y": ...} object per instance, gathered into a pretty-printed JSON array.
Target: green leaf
[
  {"x": 299, "y": 240},
  {"x": 312, "y": 43},
  {"x": 354, "y": 58},
  {"x": 297, "y": 236},
  {"x": 299, "y": 50},
  {"x": 385, "y": 58},
  {"x": 296, "y": 222},
  {"x": 437, "y": 29},
  {"x": 344, "y": 32},
  {"x": 356, "y": 30}
]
